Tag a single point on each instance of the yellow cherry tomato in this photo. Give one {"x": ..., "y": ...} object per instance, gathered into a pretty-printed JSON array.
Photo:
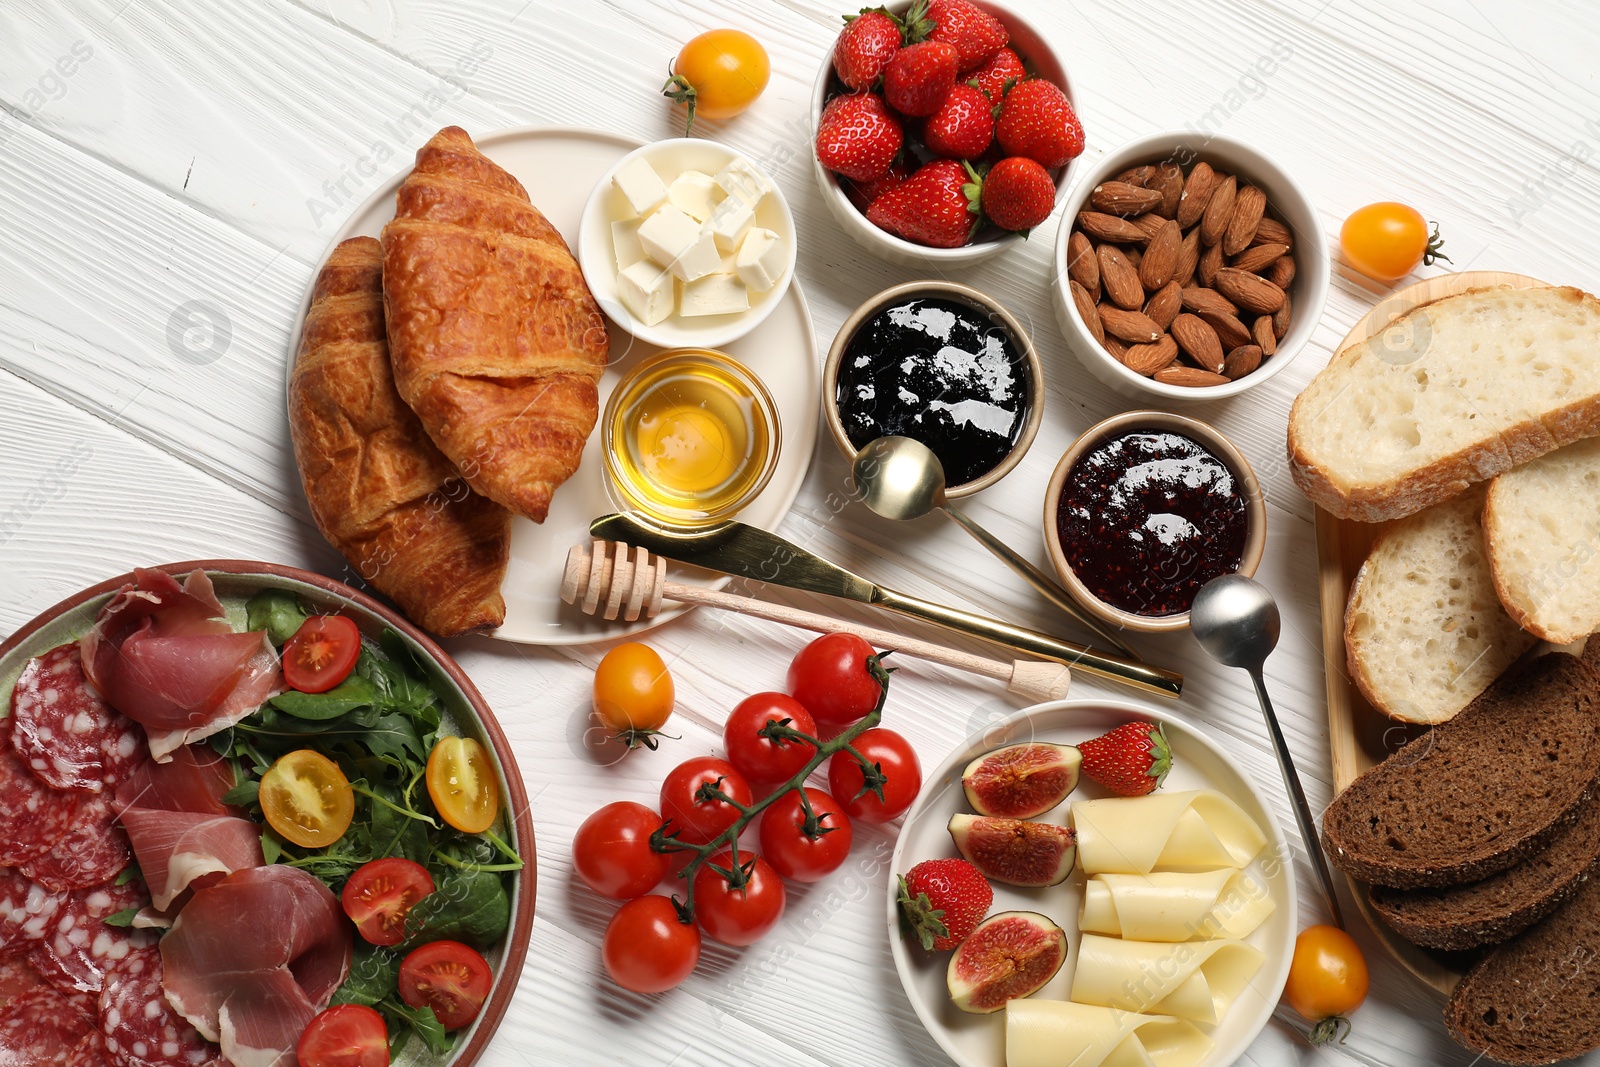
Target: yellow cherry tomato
[
  {"x": 1327, "y": 979},
  {"x": 718, "y": 74},
  {"x": 1386, "y": 241},
  {"x": 633, "y": 693},
  {"x": 461, "y": 782},
  {"x": 307, "y": 799}
]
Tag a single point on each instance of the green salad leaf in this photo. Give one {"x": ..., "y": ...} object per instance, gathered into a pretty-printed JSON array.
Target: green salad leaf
[
  {"x": 466, "y": 905},
  {"x": 275, "y": 611}
]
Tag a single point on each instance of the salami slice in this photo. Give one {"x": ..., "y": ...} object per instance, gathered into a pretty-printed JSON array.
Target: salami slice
[
  {"x": 94, "y": 851},
  {"x": 139, "y": 1026},
  {"x": 40, "y": 1027},
  {"x": 90, "y": 1051},
  {"x": 80, "y": 946},
  {"x": 17, "y": 976},
  {"x": 33, "y": 815},
  {"x": 27, "y": 910},
  {"x": 65, "y": 733}
]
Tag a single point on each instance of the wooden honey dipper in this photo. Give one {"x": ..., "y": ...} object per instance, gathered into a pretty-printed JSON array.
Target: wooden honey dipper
[{"x": 601, "y": 579}]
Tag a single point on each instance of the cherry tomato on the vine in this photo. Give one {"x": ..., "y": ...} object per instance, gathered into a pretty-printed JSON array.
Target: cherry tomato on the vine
[
  {"x": 738, "y": 915},
  {"x": 901, "y": 770},
  {"x": 697, "y": 821},
  {"x": 763, "y": 760},
  {"x": 633, "y": 693},
  {"x": 793, "y": 852},
  {"x": 611, "y": 851},
  {"x": 1327, "y": 979},
  {"x": 647, "y": 948},
  {"x": 321, "y": 654},
  {"x": 718, "y": 74},
  {"x": 830, "y": 677},
  {"x": 1387, "y": 240}
]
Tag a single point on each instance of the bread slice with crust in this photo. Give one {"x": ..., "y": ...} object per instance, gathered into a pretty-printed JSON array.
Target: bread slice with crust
[{"x": 1451, "y": 393}]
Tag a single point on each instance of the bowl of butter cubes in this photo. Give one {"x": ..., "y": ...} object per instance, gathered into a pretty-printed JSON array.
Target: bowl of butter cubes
[{"x": 686, "y": 242}]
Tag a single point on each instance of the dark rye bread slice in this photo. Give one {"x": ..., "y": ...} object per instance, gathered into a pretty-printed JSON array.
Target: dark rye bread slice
[
  {"x": 1491, "y": 910},
  {"x": 1478, "y": 793}
]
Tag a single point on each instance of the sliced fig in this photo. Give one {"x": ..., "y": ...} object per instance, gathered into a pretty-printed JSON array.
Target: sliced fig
[
  {"x": 1021, "y": 781},
  {"x": 1010, "y": 955},
  {"x": 1016, "y": 851}
]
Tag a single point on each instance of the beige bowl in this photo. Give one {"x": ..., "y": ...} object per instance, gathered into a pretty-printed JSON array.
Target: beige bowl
[
  {"x": 1255, "y": 509},
  {"x": 962, "y": 294}
]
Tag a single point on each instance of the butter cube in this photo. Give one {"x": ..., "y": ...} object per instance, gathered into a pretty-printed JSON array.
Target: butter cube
[
  {"x": 761, "y": 259},
  {"x": 667, "y": 234},
  {"x": 729, "y": 223},
  {"x": 646, "y": 291},
  {"x": 694, "y": 193},
  {"x": 640, "y": 185},
  {"x": 742, "y": 180},
  {"x": 698, "y": 260},
  {"x": 625, "y": 242},
  {"x": 715, "y": 294}
]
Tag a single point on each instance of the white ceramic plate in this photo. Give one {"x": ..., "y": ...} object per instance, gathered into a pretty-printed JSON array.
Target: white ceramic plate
[
  {"x": 1198, "y": 763},
  {"x": 559, "y": 167}
]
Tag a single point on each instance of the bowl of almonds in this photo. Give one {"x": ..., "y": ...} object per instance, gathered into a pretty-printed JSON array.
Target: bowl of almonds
[{"x": 1189, "y": 268}]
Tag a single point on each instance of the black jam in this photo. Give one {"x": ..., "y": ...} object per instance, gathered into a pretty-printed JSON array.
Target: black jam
[
  {"x": 941, "y": 372},
  {"x": 1147, "y": 518}
]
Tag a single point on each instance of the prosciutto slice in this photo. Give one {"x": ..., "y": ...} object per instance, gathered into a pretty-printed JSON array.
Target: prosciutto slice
[
  {"x": 249, "y": 961},
  {"x": 176, "y": 847},
  {"x": 194, "y": 779}
]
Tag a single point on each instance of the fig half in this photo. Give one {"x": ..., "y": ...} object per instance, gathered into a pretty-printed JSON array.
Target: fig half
[
  {"x": 1015, "y": 851},
  {"x": 1021, "y": 781},
  {"x": 1012, "y": 954}
]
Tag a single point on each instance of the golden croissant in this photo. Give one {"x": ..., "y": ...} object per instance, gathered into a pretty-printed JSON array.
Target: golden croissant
[
  {"x": 497, "y": 343},
  {"x": 379, "y": 490}
]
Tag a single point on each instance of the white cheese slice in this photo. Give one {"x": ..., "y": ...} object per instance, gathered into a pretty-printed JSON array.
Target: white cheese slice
[
  {"x": 1059, "y": 1033},
  {"x": 640, "y": 185},
  {"x": 714, "y": 294},
  {"x": 694, "y": 193},
  {"x": 1174, "y": 906},
  {"x": 1194, "y": 830},
  {"x": 667, "y": 234},
  {"x": 647, "y": 291},
  {"x": 729, "y": 222},
  {"x": 1196, "y": 980},
  {"x": 742, "y": 180},
  {"x": 625, "y": 242},
  {"x": 761, "y": 259}
]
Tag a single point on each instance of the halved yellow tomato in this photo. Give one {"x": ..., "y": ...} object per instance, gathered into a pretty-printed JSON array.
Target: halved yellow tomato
[
  {"x": 307, "y": 798},
  {"x": 461, "y": 782}
]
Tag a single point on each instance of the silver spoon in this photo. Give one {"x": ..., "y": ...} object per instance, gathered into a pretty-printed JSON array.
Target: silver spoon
[
  {"x": 901, "y": 478},
  {"x": 1236, "y": 621}
]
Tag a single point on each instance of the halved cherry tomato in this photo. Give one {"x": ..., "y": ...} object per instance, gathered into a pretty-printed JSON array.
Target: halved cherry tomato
[
  {"x": 1327, "y": 979},
  {"x": 321, "y": 654},
  {"x": 307, "y": 798},
  {"x": 461, "y": 782},
  {"x": 346, "y": 1035},
  {"x": 380, "y": 894},
  {"x": 449, "y": 977},
  {"x": 611, "y": 851},
  {"x": 647, "y": 948}
]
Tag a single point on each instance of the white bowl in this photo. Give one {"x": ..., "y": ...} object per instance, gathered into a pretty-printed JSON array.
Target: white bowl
[
  {"x": 1039, "y": 57},
  {"x": 1285, "y": 198},
  {"x": 598, "y": 257}
]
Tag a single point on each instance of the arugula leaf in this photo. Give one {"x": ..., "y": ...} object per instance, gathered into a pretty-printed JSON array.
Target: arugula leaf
[
  {"x": 374, "y": 975},
  {"x": 393, "y": 738},
  {"x": 276, "y": 612},
  {"x": 352, "y": 693},
  {"x": 393, "y": 833},
  {"x": 271, "y": 848},
  {"x": 243, "y": 795},
  {"x": 421, "y": 1021},
  {"x": 121, "y": 918},
  {"x": 465, "y": 905}
]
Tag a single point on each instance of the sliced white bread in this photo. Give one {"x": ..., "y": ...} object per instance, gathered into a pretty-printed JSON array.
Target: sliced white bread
[
  {"x": 1424, "y": 631},
  {"x": 1452, "y": 393},
  {"x": 1542, "y": 524}
]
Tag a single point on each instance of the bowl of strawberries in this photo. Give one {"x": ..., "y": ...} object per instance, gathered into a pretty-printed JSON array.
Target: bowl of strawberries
[{"x": 944, "y": 130}]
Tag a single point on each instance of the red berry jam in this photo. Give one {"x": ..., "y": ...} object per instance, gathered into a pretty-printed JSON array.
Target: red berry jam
[{"x": 1148, "y": 517}]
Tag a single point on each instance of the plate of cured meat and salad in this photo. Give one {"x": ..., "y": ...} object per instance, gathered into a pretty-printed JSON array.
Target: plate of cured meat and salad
[{"x": 249, "y": 815}]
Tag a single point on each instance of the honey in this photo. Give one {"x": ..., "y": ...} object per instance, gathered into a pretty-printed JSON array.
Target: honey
[{"x": 690, "y": 436}]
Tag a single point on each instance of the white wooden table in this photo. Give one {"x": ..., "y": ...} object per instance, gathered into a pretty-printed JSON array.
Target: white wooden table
[{"x": 171, "y": 171}]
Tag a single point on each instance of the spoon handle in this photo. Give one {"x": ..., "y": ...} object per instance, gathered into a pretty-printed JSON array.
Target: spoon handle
[
  {"x": 1037, "y": 578},
  {"x": 1302, "y": 810}
]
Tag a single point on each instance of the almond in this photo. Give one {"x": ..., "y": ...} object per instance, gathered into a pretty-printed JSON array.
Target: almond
[
  {"x": 1207, "y": 301},
  {"x": 1135, "y": 256},
  {"x": 1273, "y": 232},
  {"x": 1210, "y": 262},
  {"x": 1161, "y": 256},
  {"x": 1261, "y": 330},
  {"x": 1196, "y": 194},
  {"x": 1248, "y": 207},
  {"x": 1250, "y": 291},
  {"x": 1082, "y": 266},
  {"x": 1164, "y": 305},
  {"x": 1256, "y": 258},
  {"x": 1149, "y": 224},
  {"x": 1137, "y": 175},
  {"x": 1086, "y": 310},
  {"x": 1117, "y": 349},
  {"x": 1149, "y": 359},
  {"x": 1230, "y": 331},
  {"x": 1199, "y": 341},
  {"x": 1241, "y": 361},
  {"x": 1103, "y": 227},
  {"x": 1282, "y": 272},
  {"x": 1280, "y": 319},
  {"x": 1135, "y": 327},
  {"x": 1188, "y": 258},
  {"x": 1219, "y": 211},
  {"x": 1118, "y": 278},
  {"x": 1169, "y": 179},
  {"x": 1121, "y": 198},
  {"x": 1189, "y": 376}
]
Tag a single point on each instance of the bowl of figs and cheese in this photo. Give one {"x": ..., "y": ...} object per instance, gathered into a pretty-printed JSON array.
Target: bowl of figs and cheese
[{"x": 196, "y": 751}]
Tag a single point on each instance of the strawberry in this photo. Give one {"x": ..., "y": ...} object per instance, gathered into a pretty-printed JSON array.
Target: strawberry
[
  {"x": 862, "y": 194},
  {"x": 936, "y": 206},
  {"x": 974, "y": 32},
  {"x": 992, "y": 77},
  {"x": 919, "y": 76},
  {"x": 1037, "y": 121},
  {"x": 857, "y": 137},
  {"x": 942, "y": 901},
  {"x": 1018, "y": 194},
  {"x": 963, "y": 126},
  {"x": 865, "y": 46},
  {"x": 1130, "y": 761}
]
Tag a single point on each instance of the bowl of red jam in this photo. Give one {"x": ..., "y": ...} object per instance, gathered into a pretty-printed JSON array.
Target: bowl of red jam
[
  {"x": 943, "y": 363},
  {"x": 1143, "y": 510}
]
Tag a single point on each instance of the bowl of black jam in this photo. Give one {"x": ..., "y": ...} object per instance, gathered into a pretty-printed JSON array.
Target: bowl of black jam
[
  {"x": 1144, "y": 509},
  {"x": 942, "y": 363}
]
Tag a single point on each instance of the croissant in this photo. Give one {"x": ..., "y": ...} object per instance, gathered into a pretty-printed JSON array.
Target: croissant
[
  {"x": 379, "y": 490},
  {"x": 496, "y": 341}
]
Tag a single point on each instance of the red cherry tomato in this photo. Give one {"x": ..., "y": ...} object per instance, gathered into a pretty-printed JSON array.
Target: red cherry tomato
[
  {"x": 346, "y": 1035},
  {"x": 321, "y": 654},
  {"x": 763, "y": 760},
  {"x": 611, "y": 851},
  {"x": 739, "y": 916},
  {"x": 647, "y": 948},
  {"x": 449, "y": 977},
  {"x": 698, "y": 821},
  {"x": 902, "y": 770},
  {"x": 380, "y": 894},
  {"x": 795, "y": 854},
  {"x": 830, "y": 678}
]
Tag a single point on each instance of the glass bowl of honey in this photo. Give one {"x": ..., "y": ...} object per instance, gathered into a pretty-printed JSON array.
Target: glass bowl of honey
[{"x": 690, "y": 436}]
